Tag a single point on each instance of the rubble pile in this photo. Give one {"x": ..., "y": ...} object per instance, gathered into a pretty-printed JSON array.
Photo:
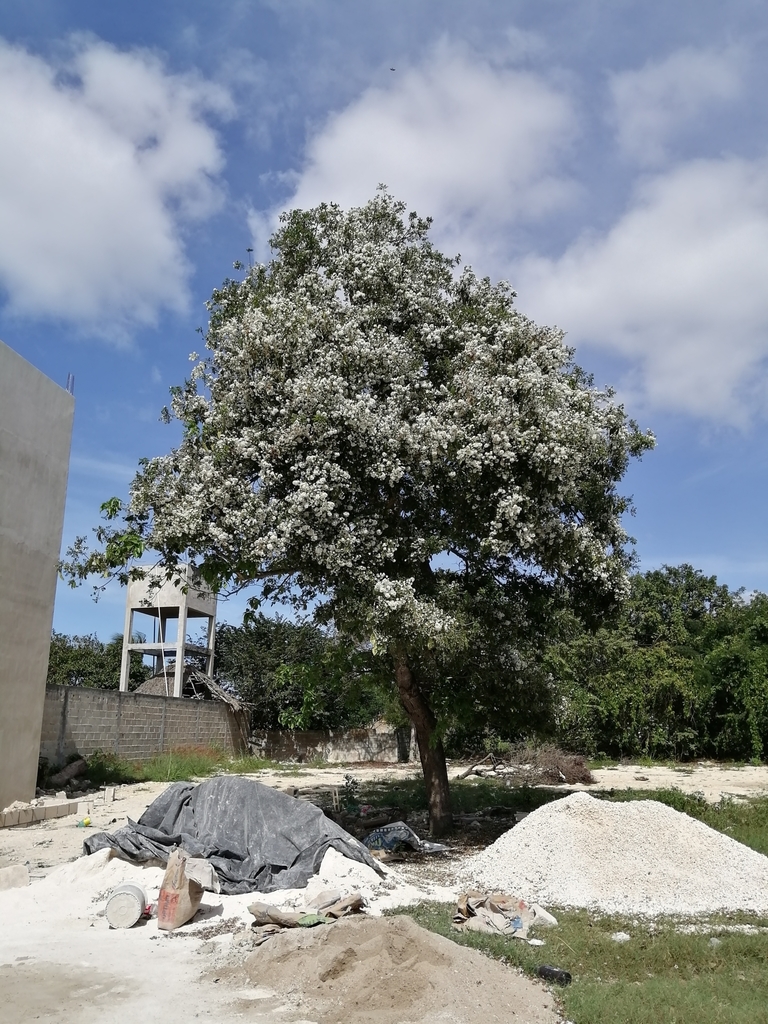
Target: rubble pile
[{"x": 636, "y": 858}]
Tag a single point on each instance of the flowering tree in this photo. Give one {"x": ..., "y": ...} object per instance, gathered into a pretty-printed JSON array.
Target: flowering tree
[{"x": 382, "y": 436}]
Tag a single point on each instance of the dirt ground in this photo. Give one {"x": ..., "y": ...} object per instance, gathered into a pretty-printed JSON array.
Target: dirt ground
[
  {"x": 46, "y": 844},
  {"x": 386, "y": 971},
  {"x": 61, "y": 963},
  {"x": 712, "y": 780}
]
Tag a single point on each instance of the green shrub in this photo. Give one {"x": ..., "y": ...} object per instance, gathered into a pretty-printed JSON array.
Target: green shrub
[{"x": 681, "y": 673}]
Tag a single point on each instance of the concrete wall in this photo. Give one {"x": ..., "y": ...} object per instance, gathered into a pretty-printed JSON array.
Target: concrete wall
[
  {"x": 35, "y": 434},
  {"x": 135, "y": 726},
  {"x": 380, "y": 743}
]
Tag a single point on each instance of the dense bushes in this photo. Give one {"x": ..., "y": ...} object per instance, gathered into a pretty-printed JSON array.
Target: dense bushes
[
  {"x": 295, "y": 676},
  {"x": 88, "y": 661},
  {"x": 683, "y": 672}
]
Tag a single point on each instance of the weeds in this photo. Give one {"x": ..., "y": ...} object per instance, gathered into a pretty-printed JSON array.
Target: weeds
[
  {"x": 351, "y": 792},
  {"x": 660, "y": 975},
  {"x": 176, "y": 765}
]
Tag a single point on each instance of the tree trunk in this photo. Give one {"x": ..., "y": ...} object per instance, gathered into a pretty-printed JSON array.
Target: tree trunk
[{"x": 430, "y": 747}]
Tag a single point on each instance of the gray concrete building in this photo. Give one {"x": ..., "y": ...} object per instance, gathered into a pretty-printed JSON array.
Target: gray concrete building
[{"x": 35, "y": 435}]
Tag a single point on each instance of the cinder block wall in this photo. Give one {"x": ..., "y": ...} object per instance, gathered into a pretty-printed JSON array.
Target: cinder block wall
[{"x": 135, "y": 726}]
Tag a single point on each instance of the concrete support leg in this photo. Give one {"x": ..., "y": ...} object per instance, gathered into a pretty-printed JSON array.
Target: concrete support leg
[
  {"x": 181, "y": 647},
  {"x": 125, "y": 662},
  {"x": 211, "y": 642}
]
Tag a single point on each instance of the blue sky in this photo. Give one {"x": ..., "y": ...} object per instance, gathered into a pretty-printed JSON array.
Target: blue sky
[{"x": 608, "y": 158}]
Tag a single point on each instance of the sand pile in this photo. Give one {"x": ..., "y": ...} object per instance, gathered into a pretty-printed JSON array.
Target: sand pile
[
  {"x": 631, "y": 858},
  {"x": 386, "y": 971},
  {"x": 80, "y": 889}
]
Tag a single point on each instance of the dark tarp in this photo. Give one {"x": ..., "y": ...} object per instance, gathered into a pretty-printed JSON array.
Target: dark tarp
[{"x": 257, "y": 838}]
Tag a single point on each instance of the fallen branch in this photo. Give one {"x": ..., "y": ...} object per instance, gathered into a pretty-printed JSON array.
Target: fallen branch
[{"x": 477, "y": 764}]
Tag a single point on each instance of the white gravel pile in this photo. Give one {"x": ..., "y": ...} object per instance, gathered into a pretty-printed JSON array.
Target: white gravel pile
[{"x": 635, "y": 858}]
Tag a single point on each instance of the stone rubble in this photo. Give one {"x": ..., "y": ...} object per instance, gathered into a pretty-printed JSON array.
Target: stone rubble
[{"x": 635, "y": 858}]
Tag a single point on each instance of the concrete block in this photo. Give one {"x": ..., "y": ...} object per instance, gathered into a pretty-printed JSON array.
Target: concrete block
[
  {"x": 14, "y": 877},
  {"x": 10, "y": 818},
  {"x": 25, "y": 816},
  {"x": 39, "y": 813}
]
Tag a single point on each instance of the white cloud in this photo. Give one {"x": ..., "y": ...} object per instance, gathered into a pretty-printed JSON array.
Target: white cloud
[
  {"x": 651, "y": 105},
  {"x": 103, "y": 161},
  {"x": 677, "y": 286},
  {"x": 473, "y": 144}
]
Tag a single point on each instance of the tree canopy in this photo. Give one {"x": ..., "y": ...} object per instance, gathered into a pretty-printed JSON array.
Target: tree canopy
[
  {"x": 88, "y": 661},
  {"x": 378, "y": 434},
  {"x": 682, "y": 672},
  {"x": 295, "y": 676}
]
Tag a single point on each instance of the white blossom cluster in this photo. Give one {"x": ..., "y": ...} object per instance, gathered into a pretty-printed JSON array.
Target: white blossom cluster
[{"x": 366, "y": 407}]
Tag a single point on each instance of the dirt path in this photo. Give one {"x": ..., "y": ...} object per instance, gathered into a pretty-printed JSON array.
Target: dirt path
[
  {"x": 711, "y": 780},
  {"x": 60, "y": 962}
]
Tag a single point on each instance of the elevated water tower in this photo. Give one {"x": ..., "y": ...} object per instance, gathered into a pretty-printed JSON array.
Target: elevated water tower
[{"x": 188, "y": 599}]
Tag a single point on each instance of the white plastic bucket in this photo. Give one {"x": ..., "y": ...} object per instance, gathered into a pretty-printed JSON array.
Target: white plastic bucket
[{"x": 125, "y": 905}]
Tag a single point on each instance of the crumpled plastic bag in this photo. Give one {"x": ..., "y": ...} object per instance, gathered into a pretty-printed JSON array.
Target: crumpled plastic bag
[{"x": 390, "y": 837}]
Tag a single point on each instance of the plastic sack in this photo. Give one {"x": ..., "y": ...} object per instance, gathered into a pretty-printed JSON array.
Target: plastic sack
[{"x": 180, "y": 895}]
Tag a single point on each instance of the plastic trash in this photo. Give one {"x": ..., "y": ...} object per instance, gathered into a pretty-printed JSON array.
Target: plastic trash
[
  {"x": 549, "y": 973},
  {"x": 390, "y": 837}
]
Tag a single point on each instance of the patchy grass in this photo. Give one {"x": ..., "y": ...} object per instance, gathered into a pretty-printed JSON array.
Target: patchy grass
[
  {"x": 177, "y": 765},
  {"x": 661, "y": 976},
  {"x": 746, "y": 821},
  {"x": 603, "y": 761},
  {"x": 467, "y": 795},
  {"x": 642, "y": 761}
]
